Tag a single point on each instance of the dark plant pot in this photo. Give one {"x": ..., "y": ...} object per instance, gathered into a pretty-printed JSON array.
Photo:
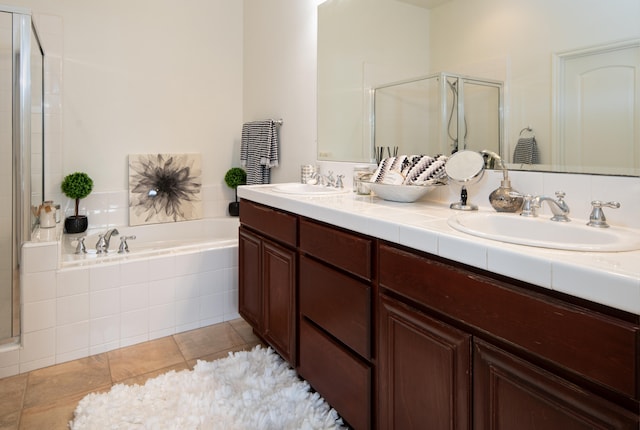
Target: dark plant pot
[
  {"x": 76, "y": 224},
  {"x": 234, "y": 208}
]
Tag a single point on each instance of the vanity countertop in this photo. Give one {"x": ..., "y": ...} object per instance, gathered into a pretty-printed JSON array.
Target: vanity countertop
[{"x": 609, "y": 278}]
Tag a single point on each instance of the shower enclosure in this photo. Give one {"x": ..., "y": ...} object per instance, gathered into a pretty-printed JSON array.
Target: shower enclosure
[
  {"x": 21, "y": 153},
  {"x": 438, "y": 114}
]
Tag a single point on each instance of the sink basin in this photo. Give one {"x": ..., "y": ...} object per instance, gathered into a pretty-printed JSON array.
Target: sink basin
[
  {"x": 310, "y": 190},
  {"x": 544, "y": 233}
]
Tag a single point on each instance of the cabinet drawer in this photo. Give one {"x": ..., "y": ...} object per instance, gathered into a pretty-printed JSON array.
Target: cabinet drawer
[
  {"x": 591, "y": 345},
  {"x": 273, "y": 223},
  {"x": 347, "y": 251},
  {"x": 339, "y": 304},
  {"x": 343, "y": 380}
]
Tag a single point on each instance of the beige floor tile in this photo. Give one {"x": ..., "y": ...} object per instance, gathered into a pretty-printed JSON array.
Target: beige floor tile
[
  {"x": 51, "y": 384},
  {"x": 53, "y": 416},
  {"x": 143, "y": 358},
  {"x": 12, "y": 392},
  {"x": 208, "y": 340},
  {"x": 245, "y": 330},
  {"x": 141, "y": 379}
]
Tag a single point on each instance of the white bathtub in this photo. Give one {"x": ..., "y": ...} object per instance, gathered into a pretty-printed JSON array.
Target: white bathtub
[
  {"x": 176, "y": 277},
  {"x": 152, "y": 240}
]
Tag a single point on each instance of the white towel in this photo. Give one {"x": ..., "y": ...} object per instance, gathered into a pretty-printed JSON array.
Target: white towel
[{"x": 259, "y": 150}]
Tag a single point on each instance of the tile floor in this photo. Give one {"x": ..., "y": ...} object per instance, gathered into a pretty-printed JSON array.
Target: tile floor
[{"x": 46, "y": 398}]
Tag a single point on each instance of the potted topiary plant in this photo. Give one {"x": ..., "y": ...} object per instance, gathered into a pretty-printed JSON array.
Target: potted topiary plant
[
  {"x": 76, "y": 186},
  {"x": 233, "y": 178}
]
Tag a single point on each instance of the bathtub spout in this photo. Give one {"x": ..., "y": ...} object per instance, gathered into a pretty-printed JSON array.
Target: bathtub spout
[{"x": 103, "y": 241}]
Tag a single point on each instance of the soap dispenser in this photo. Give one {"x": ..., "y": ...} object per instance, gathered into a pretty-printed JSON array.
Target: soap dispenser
[{"x": 505, "y": 198}]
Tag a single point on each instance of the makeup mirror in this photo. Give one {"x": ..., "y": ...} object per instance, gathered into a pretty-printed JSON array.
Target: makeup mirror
[{"x": 465, "y": 168}]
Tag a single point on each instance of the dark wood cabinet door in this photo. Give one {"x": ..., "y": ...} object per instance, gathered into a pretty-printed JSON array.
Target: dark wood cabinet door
[
  {"x": 340, "y": 377},
  {"x": 510, "y": 393},
  {"x": 278, "y": 282},
  {"x": 423, "y": 370},
  {"x": 250, "y": 278}
]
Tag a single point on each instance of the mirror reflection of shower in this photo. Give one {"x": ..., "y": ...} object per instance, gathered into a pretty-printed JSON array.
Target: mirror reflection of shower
[
  {"x": 21, "y": 154},
  {"x": 438, "y": 114},
  {"x": 453, "y": 134}
]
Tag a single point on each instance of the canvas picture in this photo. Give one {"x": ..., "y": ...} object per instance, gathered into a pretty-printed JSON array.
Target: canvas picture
[{"x": 164, "y": 188}]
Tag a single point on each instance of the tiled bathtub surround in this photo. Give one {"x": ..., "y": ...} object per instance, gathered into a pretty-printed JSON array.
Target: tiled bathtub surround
[{"x": 69, "y": 313}]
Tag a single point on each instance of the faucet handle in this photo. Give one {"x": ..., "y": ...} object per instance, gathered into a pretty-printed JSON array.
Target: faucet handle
[
  {"x": 597, "y": 218},
  {"x": 530, "y": 206},
  {"x": 560, "y": 195},
  {"x": 80, "y": 247},
  {"x": 124, "y": 246},
  {"x": 101, "y": 245}
]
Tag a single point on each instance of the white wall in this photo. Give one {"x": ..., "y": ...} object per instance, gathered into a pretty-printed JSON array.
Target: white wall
[
  {"x": 280, "y": 76},
  {"x": 142, "y": 77}
]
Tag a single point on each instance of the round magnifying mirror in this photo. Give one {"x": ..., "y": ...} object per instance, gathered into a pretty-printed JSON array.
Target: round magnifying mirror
[{"x": 466, "y": 168}]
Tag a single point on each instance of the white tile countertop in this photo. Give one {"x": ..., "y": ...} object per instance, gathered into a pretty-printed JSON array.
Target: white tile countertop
[{"x": 608, "y": 278}]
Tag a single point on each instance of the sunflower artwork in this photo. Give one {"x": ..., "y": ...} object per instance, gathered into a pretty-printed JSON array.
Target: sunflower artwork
[{"x": 164, "y": 188}]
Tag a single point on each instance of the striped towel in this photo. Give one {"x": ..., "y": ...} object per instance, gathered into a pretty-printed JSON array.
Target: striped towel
[
  {"x": 259, "y": 150},
  {"x": 526, "y": 151},
  {"x": 411, "y": 170}
]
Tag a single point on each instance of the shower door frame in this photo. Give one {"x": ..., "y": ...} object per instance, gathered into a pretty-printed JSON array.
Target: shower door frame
[{"x": 23, "y": 218}]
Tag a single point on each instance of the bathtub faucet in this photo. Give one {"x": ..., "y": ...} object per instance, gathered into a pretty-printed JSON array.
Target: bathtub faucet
[{"x": 104, "y": 239}]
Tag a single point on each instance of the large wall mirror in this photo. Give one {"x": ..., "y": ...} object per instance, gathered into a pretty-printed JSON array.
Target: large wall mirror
[{"x": 570, "y": 69}]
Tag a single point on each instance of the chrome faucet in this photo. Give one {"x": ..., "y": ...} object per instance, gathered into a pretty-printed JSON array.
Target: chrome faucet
[
  {"x": 597, "y": 218},
  {"x": 326, "y": 181},
  {"x": 124, "y": 246},
  {"x": 80, "y": 248},
  {"x": 104, "y": 239},
  {"x": 558, "y": 206}
]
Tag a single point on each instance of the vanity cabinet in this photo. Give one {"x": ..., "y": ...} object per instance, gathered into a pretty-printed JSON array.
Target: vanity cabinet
[
  {"x": 394, "y": 338},
  {"x": 267, "y": 275},
  {"x": 336, "y": 329},
  {"x": 461, "y": 349}
]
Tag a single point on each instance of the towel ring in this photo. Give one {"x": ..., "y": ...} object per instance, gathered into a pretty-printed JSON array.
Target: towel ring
[{"x": 528, "y": 129}]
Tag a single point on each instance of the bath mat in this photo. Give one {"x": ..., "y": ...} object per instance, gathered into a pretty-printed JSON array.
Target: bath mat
[{"x": 247, "y": 390}]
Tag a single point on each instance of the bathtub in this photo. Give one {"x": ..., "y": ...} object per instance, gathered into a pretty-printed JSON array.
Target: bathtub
[
  {"x": 152, "y": 240},
  {"x": 176, "y": 277}
]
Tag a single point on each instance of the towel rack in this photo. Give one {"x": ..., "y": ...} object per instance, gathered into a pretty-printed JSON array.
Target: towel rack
[
  {"x": 527, "y": 128},
  {"x": 278, "y": 121}
]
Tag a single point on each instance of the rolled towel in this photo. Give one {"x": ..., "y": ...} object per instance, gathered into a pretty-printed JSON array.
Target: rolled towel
[
  {"x": 411, "y": 170},
  {"x": 425, "y": 170}
]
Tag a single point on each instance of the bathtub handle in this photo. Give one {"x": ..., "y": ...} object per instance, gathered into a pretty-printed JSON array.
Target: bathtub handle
[
  {"x": 80, "y": 247},
  {"x": 124, "y": 247}
]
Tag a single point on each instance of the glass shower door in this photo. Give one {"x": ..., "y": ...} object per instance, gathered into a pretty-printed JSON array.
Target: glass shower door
[{"x": 21, "y": 154}]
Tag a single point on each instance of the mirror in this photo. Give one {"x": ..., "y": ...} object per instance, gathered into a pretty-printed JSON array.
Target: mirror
[
  {"x": 363, "y": 44},
  {"x": 466, "y": 168}
]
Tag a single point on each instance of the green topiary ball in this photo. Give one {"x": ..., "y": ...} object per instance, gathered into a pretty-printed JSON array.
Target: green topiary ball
[
  {"x": 234, "y": 177},
  {"x": 77, "y": 185}
]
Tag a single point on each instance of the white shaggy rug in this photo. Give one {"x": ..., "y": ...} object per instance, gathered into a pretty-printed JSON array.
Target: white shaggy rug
[{"x": 254, "y": 390}]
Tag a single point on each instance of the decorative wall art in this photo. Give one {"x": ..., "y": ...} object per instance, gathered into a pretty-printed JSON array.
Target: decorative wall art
[{"x": 164, "y": 188}]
